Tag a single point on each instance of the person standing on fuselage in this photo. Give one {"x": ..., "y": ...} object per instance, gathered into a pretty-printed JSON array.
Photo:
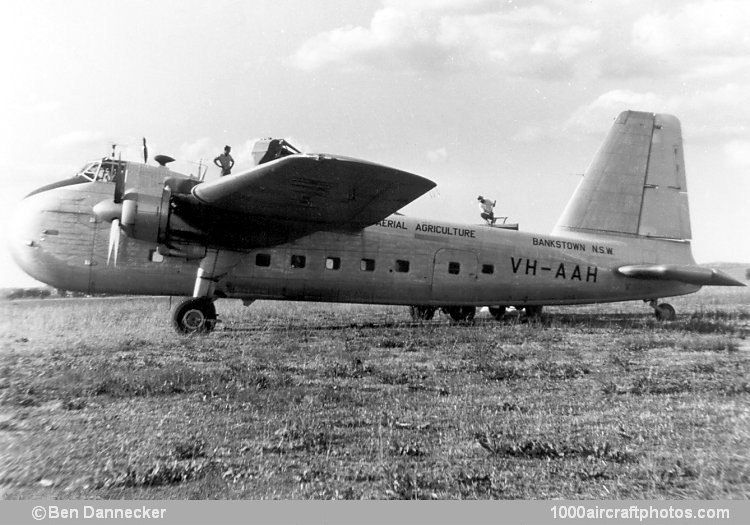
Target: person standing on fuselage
[{"x": 487, "y": 210}]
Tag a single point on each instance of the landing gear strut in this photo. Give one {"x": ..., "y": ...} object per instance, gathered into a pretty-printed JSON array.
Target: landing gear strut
[
  {"x": 198, "y": 315},
  {"x": 194, "y": 316},
  {"x": 663, "y": 311}
]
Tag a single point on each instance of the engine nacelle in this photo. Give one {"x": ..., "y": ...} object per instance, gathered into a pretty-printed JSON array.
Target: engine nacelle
[
  {"x": 147, "y": 214},
  {"x": 141, "y": 216}
]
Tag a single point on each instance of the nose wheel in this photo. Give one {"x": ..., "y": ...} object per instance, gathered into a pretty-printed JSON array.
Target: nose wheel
[{"x": 194, "y": 316}]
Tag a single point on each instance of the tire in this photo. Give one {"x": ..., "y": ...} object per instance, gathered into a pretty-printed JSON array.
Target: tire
[
  {"x": 498, "y": 312},
  {"x": 422, "y": 313},
  {"x": 665, "y": 312},
  {"x": 194, "y": 316},
  {"x": 462, "y": 313},
  {"x": 533, "y": 311}
]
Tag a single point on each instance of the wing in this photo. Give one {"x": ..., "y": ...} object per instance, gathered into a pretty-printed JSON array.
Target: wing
[
  {"x": 322, "y": 191},
  {"x": 685, "y": 274}
]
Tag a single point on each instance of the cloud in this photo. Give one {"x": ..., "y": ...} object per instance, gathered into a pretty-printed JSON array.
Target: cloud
[
  {"x": 698, "y": 39},
  {"x": 437, "y": 156},
  {"x": 402, "y": 36},
  {"x": 530, "y": 134},
  {"x": 706, "y": 113},
  {"x": 547, "y": 39},
  {"x": 530, "y": 40},
  {"x": 697, "y": 28},
  {"x": 43, "y": 107},
  {"x": 202, "y": 148},
  {"x": 737, "y": 153},
  {"x": 598, "y": 114},
  {"x": 77, "y": 139}
]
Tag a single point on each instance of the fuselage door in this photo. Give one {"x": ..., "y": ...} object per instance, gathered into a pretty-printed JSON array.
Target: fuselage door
[{"x": 454, "y": 275}]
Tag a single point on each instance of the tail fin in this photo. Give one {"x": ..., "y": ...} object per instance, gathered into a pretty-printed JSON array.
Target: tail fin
[
  {"x": 636, "y": 184},
  {"x": 635, "y": 187}
]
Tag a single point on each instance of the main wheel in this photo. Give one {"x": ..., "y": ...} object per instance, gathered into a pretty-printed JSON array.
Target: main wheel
[
  {"x": 194, "y": 316},
  {"x": 462, "y": 313},
  {"x": 665, "y": 312},
  {"x": 497, "y": 312},
  {"x": 422, "y": 313},
  {"x": 533, "y": 311}
]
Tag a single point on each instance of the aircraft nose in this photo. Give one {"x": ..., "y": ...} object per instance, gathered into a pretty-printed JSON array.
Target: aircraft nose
[
  {"x": 47, "y": 239},
  {"x": 25, "y": 233}
]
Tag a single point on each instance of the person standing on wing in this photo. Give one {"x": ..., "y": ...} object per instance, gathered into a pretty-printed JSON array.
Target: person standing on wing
[{"x": 225, "y": 161}]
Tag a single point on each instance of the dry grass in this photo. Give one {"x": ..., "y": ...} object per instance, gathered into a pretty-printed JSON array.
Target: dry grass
[{"x": 99, "y": 399}]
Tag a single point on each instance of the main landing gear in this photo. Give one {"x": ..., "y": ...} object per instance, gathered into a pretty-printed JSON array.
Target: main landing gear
[
  {"x": 461, "y": 314},
  {"x": 497, "y": 312},
  {"x": 422, "y": 313},
  {"x": 533, "y": 311},
  {"x": 465, "y": 314},
  {"x": 457, "y": 313},
  {"x": 663, "y": 311},
  {"x": 194, "y": 316},
  {"x": 198, "y": 315}
]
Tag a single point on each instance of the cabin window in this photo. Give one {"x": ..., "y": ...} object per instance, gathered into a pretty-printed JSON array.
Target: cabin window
[
  {"x": 454, "y": 268},
  {"x": 488, "y": 268},
  {"x": 367, "y": 265},
  {"x": 298, "y": 261},
  {"x": 402, "y": 266},
  {"x": 333, "y": 263},
  {"x": 263, "y": 259}
]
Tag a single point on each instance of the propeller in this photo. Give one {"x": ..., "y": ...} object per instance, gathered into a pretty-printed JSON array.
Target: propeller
[
  {"x": 114, "y": 241},
  {"x": 145, "y": 151},
  {"x": 120, "y": 211},
  {"x": 138, "y": 212}
]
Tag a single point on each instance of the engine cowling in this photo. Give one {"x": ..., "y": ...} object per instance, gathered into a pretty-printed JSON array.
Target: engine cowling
[{"x": 142, "y": 209}]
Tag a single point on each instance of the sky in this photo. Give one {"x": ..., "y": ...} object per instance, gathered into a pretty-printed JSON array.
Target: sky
[{"x": 505, "y": 99}]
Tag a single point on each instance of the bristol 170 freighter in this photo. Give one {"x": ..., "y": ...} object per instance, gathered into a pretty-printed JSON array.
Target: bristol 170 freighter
[{"x": 326, "y": 228}]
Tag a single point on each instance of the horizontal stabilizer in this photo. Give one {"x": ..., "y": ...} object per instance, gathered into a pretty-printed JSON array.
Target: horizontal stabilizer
[{"x": 686, "y": 274}]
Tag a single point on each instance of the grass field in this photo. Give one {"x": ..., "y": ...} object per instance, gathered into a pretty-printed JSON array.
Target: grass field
[{"x": 100, "y": 399}]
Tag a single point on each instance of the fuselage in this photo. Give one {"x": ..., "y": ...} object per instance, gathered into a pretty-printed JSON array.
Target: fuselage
[{"x": 400, "y": 260}]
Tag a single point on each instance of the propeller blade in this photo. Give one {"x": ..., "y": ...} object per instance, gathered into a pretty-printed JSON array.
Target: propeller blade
[
  {"x": 114, "y": 241},
  {"x": 145, "y": 151}
]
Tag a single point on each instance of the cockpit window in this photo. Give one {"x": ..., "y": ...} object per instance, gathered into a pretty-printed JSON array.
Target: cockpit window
[
  {"x": 101, "y": 171},
  {"x": 90, "y": 170}
]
